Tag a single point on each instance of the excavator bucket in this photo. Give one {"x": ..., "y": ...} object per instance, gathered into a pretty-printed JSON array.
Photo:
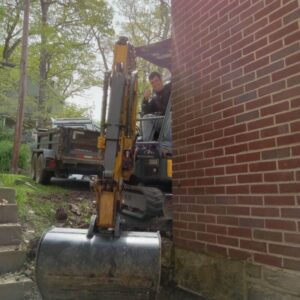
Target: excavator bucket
[{"x": 70, "y": 265}]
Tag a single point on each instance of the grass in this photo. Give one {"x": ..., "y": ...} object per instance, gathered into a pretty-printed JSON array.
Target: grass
[{"x": 35, "y": 212}]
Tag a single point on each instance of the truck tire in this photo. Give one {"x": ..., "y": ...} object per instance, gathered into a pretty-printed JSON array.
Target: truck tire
[
  {"x": 42, "y": 176},
  {"x": 33, "y": 166}
]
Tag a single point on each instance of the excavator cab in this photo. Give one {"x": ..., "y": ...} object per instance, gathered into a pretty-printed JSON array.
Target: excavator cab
[{"x": 106, "y": 262}]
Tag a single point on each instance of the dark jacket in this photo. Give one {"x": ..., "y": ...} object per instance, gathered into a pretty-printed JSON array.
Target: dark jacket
[{"x": 158, "y": 103}]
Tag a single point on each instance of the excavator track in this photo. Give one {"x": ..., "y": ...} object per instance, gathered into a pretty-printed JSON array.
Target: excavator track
[{"x": 142, "y": 202}]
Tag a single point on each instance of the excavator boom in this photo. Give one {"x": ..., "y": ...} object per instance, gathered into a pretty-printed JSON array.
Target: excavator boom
[{"x": 105, "y": 262}]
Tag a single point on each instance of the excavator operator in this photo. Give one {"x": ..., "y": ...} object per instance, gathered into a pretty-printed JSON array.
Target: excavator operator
[{"x": 154, "y": 104}]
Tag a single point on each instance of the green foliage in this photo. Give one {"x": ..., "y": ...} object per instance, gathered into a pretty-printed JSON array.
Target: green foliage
[{"x": 6, "y": 149}]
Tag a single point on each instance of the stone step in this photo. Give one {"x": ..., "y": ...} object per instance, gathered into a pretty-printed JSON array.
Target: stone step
[
  {"x": 8, "y": 194},
  {"x": 15, "y": 287},
  {"x": 10, "y": 234},
  {"x": 12, "y": 258},
  {"x": 8, "y": 213}
]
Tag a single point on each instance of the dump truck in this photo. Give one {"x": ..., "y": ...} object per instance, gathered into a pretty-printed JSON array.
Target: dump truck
[{"x": 70, "y": 147}]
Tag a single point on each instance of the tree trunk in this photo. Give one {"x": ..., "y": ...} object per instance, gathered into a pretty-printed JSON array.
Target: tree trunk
[{"x": 43, "y": 62}]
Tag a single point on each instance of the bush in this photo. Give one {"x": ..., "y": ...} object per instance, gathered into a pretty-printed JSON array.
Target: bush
[{"x": 6, "y": 148}]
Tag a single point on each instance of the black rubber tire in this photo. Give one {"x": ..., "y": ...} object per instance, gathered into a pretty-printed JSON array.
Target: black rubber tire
[
  {"x": 154, "y": 201},
  {"x": 42, "y": 176},
  {"x": 33, "y": 166}
]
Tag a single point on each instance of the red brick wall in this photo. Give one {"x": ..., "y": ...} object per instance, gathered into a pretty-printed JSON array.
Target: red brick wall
[{"x": 236, "y": 128}]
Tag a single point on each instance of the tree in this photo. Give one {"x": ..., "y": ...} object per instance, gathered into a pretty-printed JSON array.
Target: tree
[{"x": 145, "y": 22}]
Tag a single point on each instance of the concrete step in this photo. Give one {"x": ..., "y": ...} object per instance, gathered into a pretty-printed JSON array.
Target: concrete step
[
  {"x": 10, "y": 234},
  {"x": 8, "y": 213},
  {"x": 8, "y": 194},
  {"x": 12, "y": 259},
  {"x": 15, "y": 287}
]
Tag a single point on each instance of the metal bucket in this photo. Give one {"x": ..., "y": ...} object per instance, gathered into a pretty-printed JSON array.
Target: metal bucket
[{"x": 71, "y": 266}]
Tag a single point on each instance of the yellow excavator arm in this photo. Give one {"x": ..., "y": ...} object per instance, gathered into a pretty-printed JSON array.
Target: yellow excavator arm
[{"x": 118, "y": 133}]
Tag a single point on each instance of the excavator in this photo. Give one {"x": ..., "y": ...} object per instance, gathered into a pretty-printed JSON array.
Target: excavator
[{"x": 105, "y": 261}]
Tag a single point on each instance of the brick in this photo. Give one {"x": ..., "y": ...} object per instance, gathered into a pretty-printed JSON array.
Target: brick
[
  {"x": 277, "y": 108},
  {"x": 257, "y": 83},
  {"x": 293, "y": 238},
  {"x": 253, "y": 245},
  {"x": 289, "y": 188},
  {"x": 267, "y": 9},
  {"x": 217, "y": 229},
  {"x": 268, "y": 259},
  {"x": 224, "y": 160},
  {"x": 225, "y": 180},
  {"x": 261, "y": 123},
  {"x": 250, "y": 178},
  {"x": 287, "y": 94},
  {"x": 244, "y": 137},
  {"x": 284, "y": 250},
  {"x": 289, "y": 164},
  {"x": 219, "y": 210},
  {"x": 251, "y": 222},
  {"x": 254, "y": 156},
  {"x": 215, "y": 190},
  {"x": 264, "y": 211},
  {"x": 262, "y": 166},
  {"x": 246, "y": 97},
  {"x": 291, "y": 264},
  {"x": 242, "y": 61},
  {"x": 296, "y": 150},
  {"x": 224, "y": 123},
  {"x": 243, "y": 79},
  {"x": 276, "y": 153},
  {"x": 276, "y": 130},
  {"x": 271, "y": 88},
  {"x": 234, "y": 129},
  {"x": 264, "y": 189},
  {"x": 250, "y": 200},
  {"x": 279, "y": 200},
  {"x": 206, "y": 237},
  {"x": 262, "y": 144},
  {"x": 247, "y": 116},
  {"x": 284, "y": 73},
  {"x": 293, "y": 59},
  {"x": 226, "y": 220},
  {"x": 293, "y": 16},
  {"x": 283, "y": 11},
  {"x": 256, "y": 64},
  {"x": 237, "y": 189},
  {"x": 236, "y": 149},
  {"x": 223, "y": 199},
  {"x": 281, "y": 225},
  {"x": 292, "y": 38},
  {"x": 237, "y": 169},
  {"x": 255, "y": 26},
  {"x": 267, "y": 235},
  {"x": 270, "y": 68},
  {"x": 258, "y": 102},
  {"x": 224, "y": 240},
  {"x": 293, "y": 81},
  {"x": 283, "y": 31},
  {"x": 285, "y": 52},
  {"x": 288, "y": 139},
  {"x": 267, "y": 30},
  {"x": 269, "y": 49},
  {"x": 238, "y": 210},
  {"x": 290, "y": 213},
  {"x": 288, "y": 116},
  {"x": 233, "y": 111},
  {"x": 254, "y": 46},
  {"x": 240, "y": 232},
  {"x": 196, "y": 226},
  {"x": 278, "y": 176}
]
